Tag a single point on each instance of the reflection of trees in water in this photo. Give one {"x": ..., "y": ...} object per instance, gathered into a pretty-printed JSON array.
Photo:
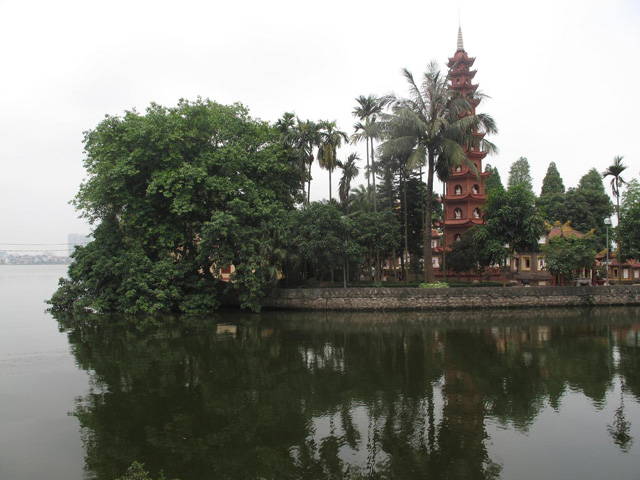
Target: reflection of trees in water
[
  {"x": 327, "y": 396},
  {"x": 619, "y": 430}
]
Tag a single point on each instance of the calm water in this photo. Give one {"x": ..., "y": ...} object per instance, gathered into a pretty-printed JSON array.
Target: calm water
[{"x": 514, "y": 395}]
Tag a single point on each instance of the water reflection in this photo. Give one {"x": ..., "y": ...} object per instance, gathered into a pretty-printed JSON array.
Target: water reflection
[{"x": 328, "y": 395}]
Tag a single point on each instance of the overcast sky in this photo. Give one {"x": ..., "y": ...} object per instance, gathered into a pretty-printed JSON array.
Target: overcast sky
[{"x": 562, "y": 77}]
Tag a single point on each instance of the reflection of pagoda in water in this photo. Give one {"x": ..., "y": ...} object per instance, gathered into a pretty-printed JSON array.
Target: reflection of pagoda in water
[
  {"x": 465, "y": 195},
  {"x": 463, "y": 432}
]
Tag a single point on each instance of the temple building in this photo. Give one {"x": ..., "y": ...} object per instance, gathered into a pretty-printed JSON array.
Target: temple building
[{"x": 464, "y": 189}]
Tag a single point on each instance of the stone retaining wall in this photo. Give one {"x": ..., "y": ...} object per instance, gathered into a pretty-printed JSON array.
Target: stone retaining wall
[{"x": 449, "y": 298}]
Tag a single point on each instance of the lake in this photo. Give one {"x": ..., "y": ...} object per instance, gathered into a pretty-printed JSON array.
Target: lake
[{"x": 517, "y": 394}]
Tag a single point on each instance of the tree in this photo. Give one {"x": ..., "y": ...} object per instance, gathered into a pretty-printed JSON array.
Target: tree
[
  {"x": 566, "y": 254},
  {"x": 435, "y": 123},
  {"x": 587, "y": 205},
  {"x": 175, "y": 195},
  {"x": 350, "y": 171},
  {"x": 325, "y": 237},
  {"x": 330, "y": 140},
  {"x": 615, "y": 170},
  {"x": 360, "y": 199},
  {"x": 520, "y": 172},
  {"x": 511, "y": 219},
  {"x": 552, "y": 196},
  {"x": 493, "y": 181},
  {"x": 463, "y": 254},
  {"x": 629, "y": 226},
  {"x": 367, "y": 111},
  {"x": 552, "y": 182},
  {"x": 318, "y": 236},
  {"x": 304, "y": 138},
  {"x": 377, "y": 232},
  {"x": 286, "y": 126}
]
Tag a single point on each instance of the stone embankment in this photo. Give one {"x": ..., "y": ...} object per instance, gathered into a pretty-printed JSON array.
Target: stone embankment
[{"x": 450, "y": 298}]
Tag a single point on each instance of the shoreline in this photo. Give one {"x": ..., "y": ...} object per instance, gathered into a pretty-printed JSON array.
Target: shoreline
[{"x": 454, "y": 298}]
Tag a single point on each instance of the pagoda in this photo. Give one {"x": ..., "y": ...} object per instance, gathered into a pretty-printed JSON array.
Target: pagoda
[{"x": 464, "y": 189}]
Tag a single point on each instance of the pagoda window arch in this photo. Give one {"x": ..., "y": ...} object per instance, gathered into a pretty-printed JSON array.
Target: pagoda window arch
[
  {"x": 458, "y": 168},
  {"x": 458, "y": 190},
  {"x": 476, "y": 189},
  {"x": 457, "y": 213},
  {"x": 476, "y": 213},
  {"x": 456, "y": 237}
]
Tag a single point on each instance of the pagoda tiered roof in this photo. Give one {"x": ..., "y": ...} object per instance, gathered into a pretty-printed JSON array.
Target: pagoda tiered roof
[
  {"x": 464, "y": 221},
  {"x": 461, "y": 57},
  {"x": 463, "y": 197}
]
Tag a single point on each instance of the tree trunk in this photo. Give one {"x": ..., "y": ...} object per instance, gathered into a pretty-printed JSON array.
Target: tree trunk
[
  {"x": 368, "y": 169},
  {"x": 620, "y": 256},
  {"x": 444, "y": 230},
  {"x": 373, "y": 171},
  {"x": 406, "y": 231},
  {"x": 394, "y": 262},
  {"x": 428, "y": 254},
  {"x": 309, "y": 188}
]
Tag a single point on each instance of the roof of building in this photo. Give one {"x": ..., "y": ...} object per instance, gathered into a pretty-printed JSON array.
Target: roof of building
[{"x": 563, "y": 230}]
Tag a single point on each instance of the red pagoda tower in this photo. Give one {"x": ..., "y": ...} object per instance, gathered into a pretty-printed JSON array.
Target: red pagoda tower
[{"x": 464, "y": 194}]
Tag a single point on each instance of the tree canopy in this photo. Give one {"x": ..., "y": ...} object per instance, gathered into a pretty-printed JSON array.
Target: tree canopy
[
  {"x": 493, "y": 181},
  {"x": 587, "y": 205},
  {"x": 520, "y": 173},
  {"x": 511, "y": 220},
  {"x": 552, "y": 182},
  {"x": 175, "y": 195},
  {"x": 566, "y": 254},
  {"x": 629, "y": 226},
  {"x": 552, "y": 196}
]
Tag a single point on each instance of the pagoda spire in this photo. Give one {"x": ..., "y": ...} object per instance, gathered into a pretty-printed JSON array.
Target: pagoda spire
[{"x": 460, "y": 44}]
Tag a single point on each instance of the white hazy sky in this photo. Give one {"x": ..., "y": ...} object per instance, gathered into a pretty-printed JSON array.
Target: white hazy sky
[{"x": 562, "y": 76}]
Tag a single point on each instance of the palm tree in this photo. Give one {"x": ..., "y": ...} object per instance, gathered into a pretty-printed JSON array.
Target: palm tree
[
  {"x": 360, "y": 199},
  {"x": 290, "y": 136},
  {"x": 349, "y": 171},
  {"x": 330, "y": 140},
  {"x": 443, "y": 171},
  {"x": 395, "y": 157},
  {"x": 367, "y": 111},
  {"x": 615, "y": 170},
  {"x": 285, "y": 124},
  {"x": 304, "y": 137},
  {"x": 439, "y": 125}
]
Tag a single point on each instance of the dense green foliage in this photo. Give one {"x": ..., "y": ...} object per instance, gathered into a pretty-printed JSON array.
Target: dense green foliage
[
  {"x": 520, "y": 173},
  {"x": 552, "y": 182},
  {"x": 566, "y": 254},
  {"x": 587, "y": 205},
  {"x": 629, "y": 227},
  {"x": 175, "y": 195},
  {"x": 552, "y": 196},
  {"x": 493, "y": 181},
  {"x": 512, "y": 220},
  {"x": 463, "y": 256}
]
